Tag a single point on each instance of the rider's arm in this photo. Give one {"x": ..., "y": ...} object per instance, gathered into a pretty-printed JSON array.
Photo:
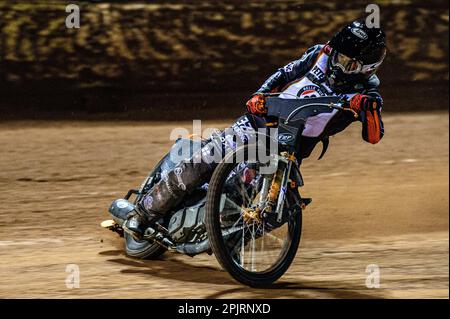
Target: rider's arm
[
  {"x": 291, "y": 71},
  {"x": 372, "y": 123}
]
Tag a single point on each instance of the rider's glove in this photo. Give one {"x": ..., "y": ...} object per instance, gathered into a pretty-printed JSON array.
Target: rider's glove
[
  {"x": 368, "y": 109},
  {"x": 361, "y": 102},
  {"x": 256, "y": 105}
]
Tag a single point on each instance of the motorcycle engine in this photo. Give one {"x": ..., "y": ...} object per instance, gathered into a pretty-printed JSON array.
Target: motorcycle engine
[{"x": 188, "y": 224}]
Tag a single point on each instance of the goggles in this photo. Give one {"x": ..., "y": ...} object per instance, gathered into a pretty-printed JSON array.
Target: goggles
[{"x": 353, "y": 66}]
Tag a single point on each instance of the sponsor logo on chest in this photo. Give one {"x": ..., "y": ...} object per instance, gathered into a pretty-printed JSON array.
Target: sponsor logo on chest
[{"x": 310, "y": 91}]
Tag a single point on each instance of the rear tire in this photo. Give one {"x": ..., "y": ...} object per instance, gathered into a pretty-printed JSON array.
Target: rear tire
[{"x": 142, "y": 249}]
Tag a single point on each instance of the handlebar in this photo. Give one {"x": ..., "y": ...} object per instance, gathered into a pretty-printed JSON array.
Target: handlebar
[{"x": 338, "y": 106}]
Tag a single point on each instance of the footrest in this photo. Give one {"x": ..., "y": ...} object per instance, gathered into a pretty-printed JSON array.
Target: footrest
[
  {"x": 109, "y": 223},
  {"x": 305, "y": 202},
  {"x": 112, "y": 226}
]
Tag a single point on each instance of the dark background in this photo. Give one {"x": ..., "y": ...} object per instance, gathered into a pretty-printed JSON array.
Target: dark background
[{"x": 163, "y": 60}]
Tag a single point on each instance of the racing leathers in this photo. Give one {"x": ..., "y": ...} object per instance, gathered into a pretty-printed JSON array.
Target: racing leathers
[
  {"x": 302, "y": 78},
  {"x": 306, "y": 78}
]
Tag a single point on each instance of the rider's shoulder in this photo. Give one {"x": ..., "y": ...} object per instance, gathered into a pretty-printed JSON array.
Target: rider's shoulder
[
  {"x": 312, "y": 52},
  {"x": 373, "y": 82},
  {"x": 310, "y": 56}
]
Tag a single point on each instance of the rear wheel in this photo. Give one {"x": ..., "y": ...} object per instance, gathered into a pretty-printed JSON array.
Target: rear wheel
[
  {"x": 142, "y": 249},
  {"x": 254, "y": 252}
]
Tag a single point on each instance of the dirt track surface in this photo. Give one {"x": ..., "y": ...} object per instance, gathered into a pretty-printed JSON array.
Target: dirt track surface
[{"x": 385, "y": 204}]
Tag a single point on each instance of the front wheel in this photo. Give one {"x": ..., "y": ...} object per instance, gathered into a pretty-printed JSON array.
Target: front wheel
[{"x": 254, "y": 252}]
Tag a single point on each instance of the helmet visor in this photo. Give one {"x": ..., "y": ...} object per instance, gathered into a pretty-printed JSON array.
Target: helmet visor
[
  {"x": 346, "y": 64},
  {"x": 353, "y": 66}
]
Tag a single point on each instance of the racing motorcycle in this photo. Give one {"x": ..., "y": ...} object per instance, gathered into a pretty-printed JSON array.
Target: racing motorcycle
[{"x": 249, "y": 215}]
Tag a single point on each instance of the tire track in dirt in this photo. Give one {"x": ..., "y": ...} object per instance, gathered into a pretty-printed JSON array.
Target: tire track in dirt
[
  {"x": 410, "y": 266},
  {"x": 385, "y": 204}
]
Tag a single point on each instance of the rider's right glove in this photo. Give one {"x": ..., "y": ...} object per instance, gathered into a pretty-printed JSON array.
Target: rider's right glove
[{"x": 256, "y": 105}]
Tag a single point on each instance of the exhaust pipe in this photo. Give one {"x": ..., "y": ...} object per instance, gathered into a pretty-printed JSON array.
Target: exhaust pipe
[{"x": 192, "y": 249}]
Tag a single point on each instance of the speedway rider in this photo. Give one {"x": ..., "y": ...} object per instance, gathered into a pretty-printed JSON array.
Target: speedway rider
[{"x": 344, "y": 67}]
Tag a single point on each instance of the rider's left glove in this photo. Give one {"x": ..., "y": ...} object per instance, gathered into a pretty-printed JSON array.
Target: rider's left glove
[
  {"x": 362, "y": 102},
  {"x": 256, "y": 105}
]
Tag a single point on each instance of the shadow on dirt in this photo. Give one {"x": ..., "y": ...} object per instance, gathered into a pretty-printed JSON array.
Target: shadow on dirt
[
  {"x": 176, "y": 269},
  {"x": 111, "y": 253},
  {"x": 304, "y": 289},
  {"x": 173, "y": 269}
]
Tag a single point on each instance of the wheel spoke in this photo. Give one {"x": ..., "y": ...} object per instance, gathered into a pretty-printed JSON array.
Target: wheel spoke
[
  {"x": 256, "y": 248},
  {"x": 243, "y": 248},
  {"x": 246, "y": 239}
]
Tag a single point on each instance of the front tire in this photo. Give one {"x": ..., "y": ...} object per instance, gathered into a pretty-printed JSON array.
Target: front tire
[{"x": 221, "y": 248}]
